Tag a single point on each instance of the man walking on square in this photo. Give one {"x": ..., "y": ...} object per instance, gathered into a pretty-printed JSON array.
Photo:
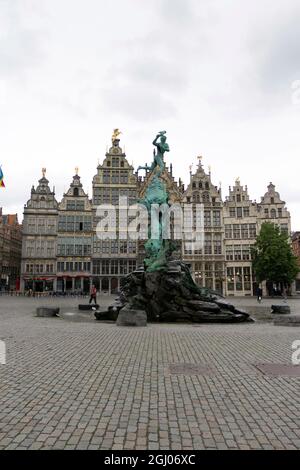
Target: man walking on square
[
  {"x": 259, "y": 295},
  {"x": 93, "y": 296}
]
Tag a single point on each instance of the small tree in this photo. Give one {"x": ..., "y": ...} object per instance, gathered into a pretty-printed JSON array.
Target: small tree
[{"x": 273, "y": 259}]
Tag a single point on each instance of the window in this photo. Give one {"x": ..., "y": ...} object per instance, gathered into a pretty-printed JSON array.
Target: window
[
  {"x": 41, "y": 226},
  {"x": 252, "y": 231},
  {"x": 114, "y": 247},
  {"x": 123, "y": 266},
  {"x": 80, "y": 205},
  {"x": 238, "y": 279},
  {"x": 239, "y": 212},
  {"x": 217, "y": 218},
  {"x": 273, "y": 214},
  {"x": 207, "y": 245},
  {"x": 115, "y": 162},
  {"x": 115, "y": 196},
  {"x": 228, "y": 231},
  {"x": 246, "y": 212},
  {"x": 96, "y": 266},
  {"x": 207, "y": 218},
  {"x": 246, "y": 253},
  {"x": 115, "y": 177},
  {"x": 105, "y": 247},
  {"x": 106, "y": 176},
  {"x": 123, "y": 247},
  {"x": 123, "y": 177},
  {"x": 244, "y": 229},
  {"x": 105, "y": 266},
  {"x": 232, "y": 211},
  {"x": 60, "y": 266},
  {"x": 217, "y": 244},
  {"x": 114, "y": 266},
  {"x": 229, "y": 253},
  {"x": 236, "y": 232},
  {"x": 96, "y": 196},
  {"x": 230, "y": 279},
  {"x": 131, "y": 265},
  {"x": 76, "y": 192},
  {"x": 205, "y": 197},
  {"x": 131, "y": 247},
  {"x": 105, "y": 195},
  {"x": 238, "y": 198},
  {"x": 237, "y": 253},
  {"x": 247, "y": 274},
  {"x": 267, "y": 213}
]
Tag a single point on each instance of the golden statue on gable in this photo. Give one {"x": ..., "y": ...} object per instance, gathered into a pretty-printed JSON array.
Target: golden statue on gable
[{"x": 115, "y": 135}]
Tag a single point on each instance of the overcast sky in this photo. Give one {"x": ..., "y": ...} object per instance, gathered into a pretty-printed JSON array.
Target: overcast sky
[{"x": 219, "y": 75}]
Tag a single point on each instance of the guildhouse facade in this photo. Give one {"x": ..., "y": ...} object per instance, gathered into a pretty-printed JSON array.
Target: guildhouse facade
[
  {"x": 240, "y": 225},
  {"x": 113, "y": 254},
  {"x": 38, "y": 266},
  {"x": 243, "y": 219},
  {"x": 74, "y": 240},
  {"x": 207, "y": 262},
  {"x": 10, "y": 251},
  {"x": 70, "y": 245}
]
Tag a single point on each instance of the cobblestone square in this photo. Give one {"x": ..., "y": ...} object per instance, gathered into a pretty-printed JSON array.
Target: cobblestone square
[{"x": 93, "y": 385}]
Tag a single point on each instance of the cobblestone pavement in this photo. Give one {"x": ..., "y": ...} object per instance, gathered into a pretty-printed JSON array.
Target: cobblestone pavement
[{"x": 89, "y": 385}]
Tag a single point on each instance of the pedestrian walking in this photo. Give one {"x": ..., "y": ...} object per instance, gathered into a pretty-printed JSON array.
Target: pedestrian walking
[
  {"x": 93, "y": 296},
  {"x": 259, "y": 295}
]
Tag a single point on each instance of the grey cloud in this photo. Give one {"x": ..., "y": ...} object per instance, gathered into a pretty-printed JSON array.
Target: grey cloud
[
  {"x": 20, "y": 45},
  {"x": 177, "y": 11},
  {"x": 155, "y": 72},
  {"x": 138, "y": 102},
  {"x": 279, "y": 53}
]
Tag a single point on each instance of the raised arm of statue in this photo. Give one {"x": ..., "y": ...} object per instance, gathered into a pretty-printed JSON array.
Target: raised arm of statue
[{"x": 155, "y": 140}]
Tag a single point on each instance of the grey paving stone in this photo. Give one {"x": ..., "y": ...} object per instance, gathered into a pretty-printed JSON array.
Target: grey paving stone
[{"x": 95, "y": 386}]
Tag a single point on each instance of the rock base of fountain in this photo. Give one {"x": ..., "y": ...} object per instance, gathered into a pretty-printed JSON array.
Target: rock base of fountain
[{"x": 171, "y": 295}]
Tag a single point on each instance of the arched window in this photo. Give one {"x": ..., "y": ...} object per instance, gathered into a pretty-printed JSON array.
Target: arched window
[
  {"x": 200, "y": 185},
  {"x": 206, "y": 185}
]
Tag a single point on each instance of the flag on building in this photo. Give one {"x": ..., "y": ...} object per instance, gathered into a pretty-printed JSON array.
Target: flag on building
[{"x": 2, "y": 185}]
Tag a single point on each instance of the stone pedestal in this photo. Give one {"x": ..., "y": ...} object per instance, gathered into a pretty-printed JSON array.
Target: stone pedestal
[
  {"x": 47, "y": 312},
  {"x": 131, "y": 317},
  {"x": 281, "y": 309},
  {"x": 170, "y": 294},
  {"x": 88, "y": 307}
]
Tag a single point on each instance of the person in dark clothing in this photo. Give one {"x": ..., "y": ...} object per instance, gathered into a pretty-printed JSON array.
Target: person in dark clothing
[
  {"x": 259, "y": 294},
  {"x": 93, "y": 296}
]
